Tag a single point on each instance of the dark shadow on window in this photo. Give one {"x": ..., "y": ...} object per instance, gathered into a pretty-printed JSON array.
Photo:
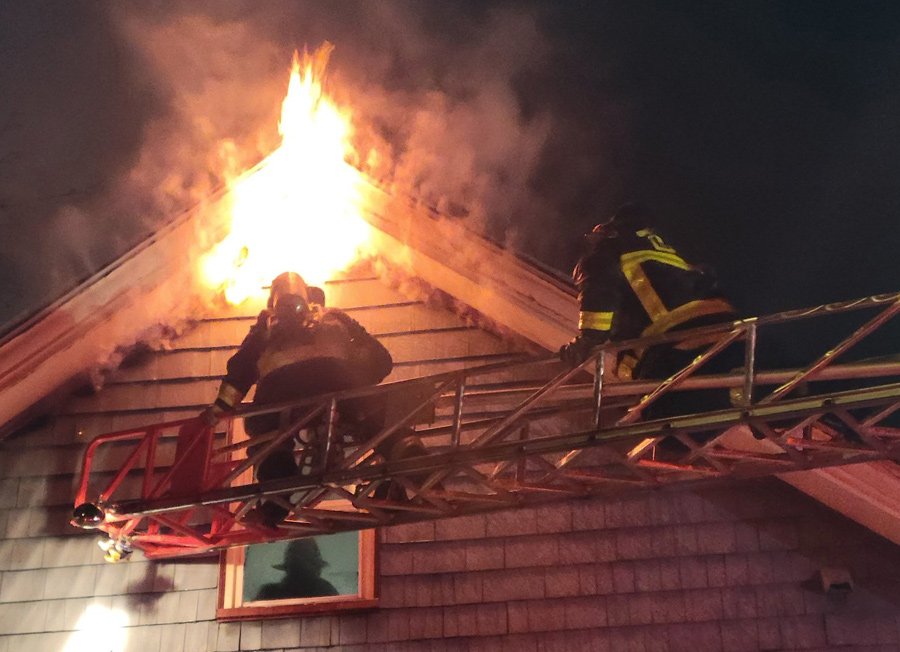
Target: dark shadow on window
[{"x": 302, "y": 566}]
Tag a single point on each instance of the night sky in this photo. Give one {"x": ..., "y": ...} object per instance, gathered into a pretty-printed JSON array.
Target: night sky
[{"x": 764, "y": 135}]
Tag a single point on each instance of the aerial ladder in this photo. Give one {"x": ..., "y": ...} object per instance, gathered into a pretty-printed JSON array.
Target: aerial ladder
[{"x": 501, "y": 436}]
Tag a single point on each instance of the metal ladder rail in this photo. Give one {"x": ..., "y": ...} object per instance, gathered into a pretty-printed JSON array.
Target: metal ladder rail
[
  {"x": 460, "y": 378},
  {"x": 615, "y": 473}
]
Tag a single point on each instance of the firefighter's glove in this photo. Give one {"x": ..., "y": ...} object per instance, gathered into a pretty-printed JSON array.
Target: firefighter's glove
[
  {"x": 212, "y": 414},
  {"x": 576, "y": 351}
]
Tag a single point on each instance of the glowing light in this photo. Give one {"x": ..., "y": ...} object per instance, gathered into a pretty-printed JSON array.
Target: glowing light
[
  {"x": 299, "y": 210},
  {"x": 100, "y": 629}
]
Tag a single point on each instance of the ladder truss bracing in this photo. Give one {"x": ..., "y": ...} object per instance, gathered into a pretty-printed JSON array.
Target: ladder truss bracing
[{"x": 503, "y": 436}]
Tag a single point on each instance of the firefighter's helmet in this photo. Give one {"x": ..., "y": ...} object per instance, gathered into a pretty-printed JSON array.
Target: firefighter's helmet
[
  {"x": 289, "y": 295},
  {"x": 628, "y": 216}
]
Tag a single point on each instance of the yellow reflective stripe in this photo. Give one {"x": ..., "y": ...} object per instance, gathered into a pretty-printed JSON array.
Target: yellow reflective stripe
[
  {"x": 690, "y": 310},
  {"x": 597, "y": 321},
  {"x": 229, "y": 395},
  {"x": 645, "y": 255},
  {"x": 644, "y": 291},
  {"x": 271, "y": 360}
]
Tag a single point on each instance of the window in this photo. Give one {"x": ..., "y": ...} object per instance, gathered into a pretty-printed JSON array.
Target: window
[{"x": 324, "y": 573}]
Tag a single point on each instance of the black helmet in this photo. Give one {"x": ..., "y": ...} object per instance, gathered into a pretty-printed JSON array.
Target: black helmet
[
  {"x": 289, "y": 294},
  {"x": 631, "y": 215}
]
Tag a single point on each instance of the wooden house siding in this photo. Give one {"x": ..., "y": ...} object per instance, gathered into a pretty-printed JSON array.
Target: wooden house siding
[{"x": 725, "y": 569}]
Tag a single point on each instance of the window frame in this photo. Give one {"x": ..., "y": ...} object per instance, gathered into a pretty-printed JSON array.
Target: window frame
[{"x": 231, "y": 605}]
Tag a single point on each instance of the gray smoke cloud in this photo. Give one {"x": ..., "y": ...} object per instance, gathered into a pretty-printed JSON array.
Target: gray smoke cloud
[
  {"x": 115, "y": 117},
  {"x": 70, "y": 126},
  {"x": 749, "y": 129}
]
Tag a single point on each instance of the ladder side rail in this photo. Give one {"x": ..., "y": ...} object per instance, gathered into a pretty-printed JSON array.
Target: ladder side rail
[
  {"x": 816, "y": 311},
  {"x": 829, "y": 356},
  {"x": 849, "y": 371},
  {"x": 512, "y": 450},
  {"x": 554, "y": 443},
  {"x": 862, "y": 303},
  {"x": 500, "y": 450},
  {"x": 854, "y": 370},
  {"x": 711, "y": 421},
  {"x": 335, "y": 522}
]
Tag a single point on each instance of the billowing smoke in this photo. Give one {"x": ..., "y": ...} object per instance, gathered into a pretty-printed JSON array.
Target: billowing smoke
[
  {"x": 116, "y": 117},
  {"x": 748, "y": 129}
]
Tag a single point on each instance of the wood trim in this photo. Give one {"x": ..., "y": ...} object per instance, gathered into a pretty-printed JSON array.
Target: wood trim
[{"x": 866, "y": 493}]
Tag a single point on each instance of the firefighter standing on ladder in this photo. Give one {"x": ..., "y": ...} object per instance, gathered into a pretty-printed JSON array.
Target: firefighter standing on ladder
[
  {"x": 632, "y": 284},
  {"x": 298, "y": 349}
]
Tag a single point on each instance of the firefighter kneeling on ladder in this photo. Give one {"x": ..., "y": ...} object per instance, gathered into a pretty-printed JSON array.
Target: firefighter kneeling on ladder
[
  {"x": 298, "y": 349},
  {"x": 632, "y": 284}
]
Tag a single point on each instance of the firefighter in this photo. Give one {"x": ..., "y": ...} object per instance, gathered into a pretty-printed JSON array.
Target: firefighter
[
  {"x": 295, "y": 350},
  {"x": 631, "y": 284}
]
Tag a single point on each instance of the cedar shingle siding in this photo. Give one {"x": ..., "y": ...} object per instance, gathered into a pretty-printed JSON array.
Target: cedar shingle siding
[{"x": 729, "y": 569}]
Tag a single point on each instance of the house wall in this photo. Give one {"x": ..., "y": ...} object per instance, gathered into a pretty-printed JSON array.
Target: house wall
[{"x": 720, "y": 569}]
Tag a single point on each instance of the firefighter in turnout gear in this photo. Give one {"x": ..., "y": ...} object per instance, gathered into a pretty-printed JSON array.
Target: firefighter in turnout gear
[
  {"x": 631, "y": 284},
  {"x": 297, "y": 349}
]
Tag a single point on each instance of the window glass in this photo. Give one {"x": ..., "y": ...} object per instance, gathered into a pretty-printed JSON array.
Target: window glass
[{"x": 303, "y": 568}]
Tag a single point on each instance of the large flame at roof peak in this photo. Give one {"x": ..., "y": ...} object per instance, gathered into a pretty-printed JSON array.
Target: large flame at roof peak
[{"x": 298, "y": 210}]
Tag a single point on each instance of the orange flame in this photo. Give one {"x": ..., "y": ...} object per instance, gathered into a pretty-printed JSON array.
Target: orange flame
[{"x": 299, "y": 210}]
